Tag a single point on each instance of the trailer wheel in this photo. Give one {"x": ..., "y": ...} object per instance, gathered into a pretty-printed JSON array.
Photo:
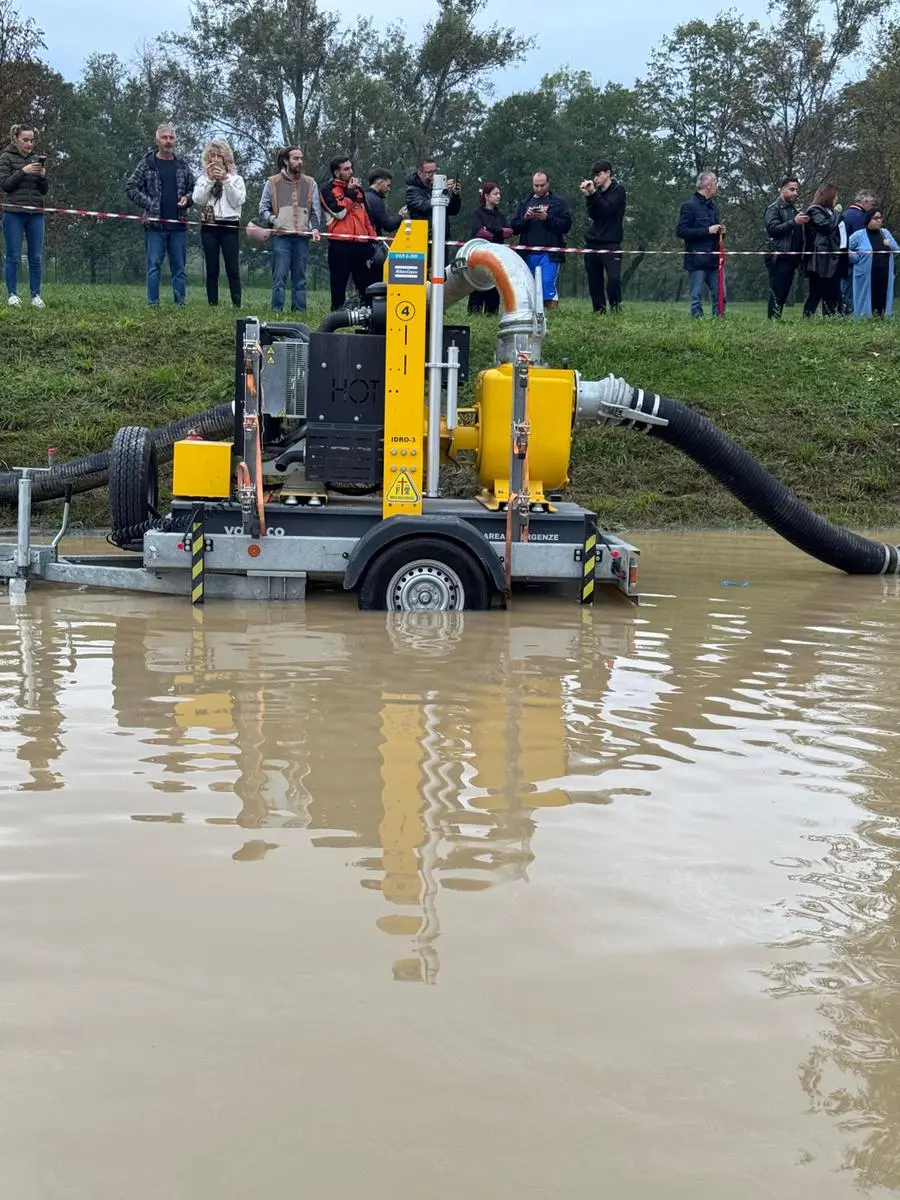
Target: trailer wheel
[
  {"x": 424, "y": 574},
  {"x": 133, "y": 485}
]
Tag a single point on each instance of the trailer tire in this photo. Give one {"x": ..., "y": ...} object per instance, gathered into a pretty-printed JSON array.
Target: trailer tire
[
  {"x": 424, "y": 574},
  {"x": 133, "y": 485}
]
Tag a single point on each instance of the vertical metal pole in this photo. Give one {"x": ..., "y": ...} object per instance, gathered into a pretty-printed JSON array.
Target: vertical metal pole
[
  {"x": 439, "y": 204},
  {"x": 23, "y": 528},
  {"x": 452, "y": 385}
]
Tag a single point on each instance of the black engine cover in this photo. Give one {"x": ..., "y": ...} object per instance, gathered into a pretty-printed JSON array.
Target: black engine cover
[{"x": 345, "y": 408}]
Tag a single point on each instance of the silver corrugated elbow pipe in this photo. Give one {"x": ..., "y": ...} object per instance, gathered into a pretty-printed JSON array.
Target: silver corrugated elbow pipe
[{"x": 522, "y": 324}]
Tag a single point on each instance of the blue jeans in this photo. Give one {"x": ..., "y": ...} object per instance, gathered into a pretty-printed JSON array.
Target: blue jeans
[
  {"x": 159, "y": 241},
  {"x": 847, "y": 294},
  {"x": 711, "y": 279},
  {"x": 15, "y": 225},
  {"x": 290, "y": 254},
  {"x": 549, "y": 272}
]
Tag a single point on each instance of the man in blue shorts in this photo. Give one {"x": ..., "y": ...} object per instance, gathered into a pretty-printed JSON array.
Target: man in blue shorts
[{"x": 542, "y": 220}]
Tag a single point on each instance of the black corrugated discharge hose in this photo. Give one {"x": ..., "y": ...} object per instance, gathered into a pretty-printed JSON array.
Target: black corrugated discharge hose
[
  {"x": 761, "y": 492},
  {"x": 92, "y": 471}
]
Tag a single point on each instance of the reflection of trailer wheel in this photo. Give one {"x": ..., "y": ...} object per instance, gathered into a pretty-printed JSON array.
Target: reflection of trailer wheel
[
  {"x": 133, "y": 484},
  {"x": 424, "y": 574}
]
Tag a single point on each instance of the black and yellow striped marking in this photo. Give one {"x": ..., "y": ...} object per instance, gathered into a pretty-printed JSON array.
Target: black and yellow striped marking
[
  {"x": 588, "y": 567},
  {"x": 198, "y": 556}
]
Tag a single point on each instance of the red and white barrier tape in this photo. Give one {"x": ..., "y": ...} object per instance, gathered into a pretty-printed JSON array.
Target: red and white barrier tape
[
  {"x": 361, "y": 237},
  {"x": 182, "y": 224}
]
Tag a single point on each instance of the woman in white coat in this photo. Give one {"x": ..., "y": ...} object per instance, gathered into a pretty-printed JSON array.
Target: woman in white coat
[{"x": 220, "y": 194}]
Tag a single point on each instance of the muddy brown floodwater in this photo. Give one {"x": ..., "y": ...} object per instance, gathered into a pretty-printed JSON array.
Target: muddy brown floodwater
[{"x": 304, "y": 902}]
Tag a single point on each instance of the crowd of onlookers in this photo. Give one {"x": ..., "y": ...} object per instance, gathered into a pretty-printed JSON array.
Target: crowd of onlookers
[{"x": 847, "y": 257}]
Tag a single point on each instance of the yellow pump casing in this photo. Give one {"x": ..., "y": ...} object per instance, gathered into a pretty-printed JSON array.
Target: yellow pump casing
[{"x": 550, "y": 410}]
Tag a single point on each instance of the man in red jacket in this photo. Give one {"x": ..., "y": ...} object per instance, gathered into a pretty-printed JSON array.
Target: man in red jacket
[{"x": 352, "y": 232}]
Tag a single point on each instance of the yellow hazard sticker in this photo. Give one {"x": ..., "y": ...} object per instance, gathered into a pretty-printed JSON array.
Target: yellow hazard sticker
[{"x": 403, "y": 490}]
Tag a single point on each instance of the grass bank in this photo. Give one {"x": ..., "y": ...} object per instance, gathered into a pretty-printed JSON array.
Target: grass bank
[{"x": 817, "y": 403}]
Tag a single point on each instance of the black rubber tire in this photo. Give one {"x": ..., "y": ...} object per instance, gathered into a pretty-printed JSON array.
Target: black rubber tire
[
  {"x": 133, "y": 483},
  {"x": 372, "y": 595}
]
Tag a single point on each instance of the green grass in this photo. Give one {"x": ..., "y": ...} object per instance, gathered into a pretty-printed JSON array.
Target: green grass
[{"x": 818, "y": 403}]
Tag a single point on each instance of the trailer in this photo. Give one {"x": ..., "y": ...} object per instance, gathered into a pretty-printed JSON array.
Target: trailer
[{"x": 330, "y": 470}]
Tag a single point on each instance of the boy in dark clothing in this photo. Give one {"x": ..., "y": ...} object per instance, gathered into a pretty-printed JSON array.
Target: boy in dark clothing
[
  {"x": 380, "y": 180},
  {"x": 606, "y": 199}
]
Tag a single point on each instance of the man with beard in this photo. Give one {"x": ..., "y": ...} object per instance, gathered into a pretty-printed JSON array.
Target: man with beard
[
  {"x": 784, "y": 225},
  {"x": 290, "y": 206}
]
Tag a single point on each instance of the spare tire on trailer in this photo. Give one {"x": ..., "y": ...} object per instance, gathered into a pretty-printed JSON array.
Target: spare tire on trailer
[{"x": 133, "y": 486}]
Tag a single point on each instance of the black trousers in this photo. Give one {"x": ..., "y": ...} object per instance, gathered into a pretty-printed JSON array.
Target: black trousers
[
  {"x": 486, "y": 302},
  {"x": 781, "y": 280},
  {"x": 222, "y": 237},
  {"x": 596, "y": 266},
  {"x": 828, "y": 291},
  {"x": 346, "y": 259}
]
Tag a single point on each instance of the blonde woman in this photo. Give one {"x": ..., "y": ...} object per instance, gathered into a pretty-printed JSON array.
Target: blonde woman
[{"x": 220, "y": 193}]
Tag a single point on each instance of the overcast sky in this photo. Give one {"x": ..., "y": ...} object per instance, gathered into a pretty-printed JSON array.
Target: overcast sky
[{"x": 610, "y": 41}]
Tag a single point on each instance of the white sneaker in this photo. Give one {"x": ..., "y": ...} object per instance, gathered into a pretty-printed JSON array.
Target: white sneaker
[
  {"x": 14, "y": 302},
  {"x": 37, "y": 302}
]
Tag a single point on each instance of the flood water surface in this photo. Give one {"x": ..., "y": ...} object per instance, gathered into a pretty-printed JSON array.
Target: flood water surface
[{"x": 301, "y": 901}]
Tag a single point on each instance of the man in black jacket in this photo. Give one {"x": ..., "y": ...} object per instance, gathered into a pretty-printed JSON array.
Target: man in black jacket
[
  {"x": 418, "y": 192},
  {"x": 784, "y": 225},
  {"x": 699, "y": 228},
  {"x": 542, "y": 220},
  {"x": 605, "y": 198}
]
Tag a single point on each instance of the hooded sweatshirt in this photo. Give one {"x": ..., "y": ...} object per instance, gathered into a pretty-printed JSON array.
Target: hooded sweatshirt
[{"x": 16, "y": 186}]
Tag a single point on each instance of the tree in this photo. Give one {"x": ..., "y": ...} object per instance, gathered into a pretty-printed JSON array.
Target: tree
[
  {"x": 286, "y": 72},
  {"x": 704, "y": 84},
  {"x": 20, "y": 66},
  {"x": 873, "y": 123},
  {"x": 800, "y": 127}
]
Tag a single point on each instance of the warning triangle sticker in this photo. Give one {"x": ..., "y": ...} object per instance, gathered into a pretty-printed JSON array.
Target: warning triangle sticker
[{"x": 403, "y": 490}]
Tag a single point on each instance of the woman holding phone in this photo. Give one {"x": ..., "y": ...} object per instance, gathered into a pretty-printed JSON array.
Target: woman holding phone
[
  {"x": 23, "y": 182},
  {"x": 220, "y": 193}
]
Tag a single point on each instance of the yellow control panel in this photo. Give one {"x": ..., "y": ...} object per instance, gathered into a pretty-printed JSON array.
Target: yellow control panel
[{"x": 404, "y": 383}]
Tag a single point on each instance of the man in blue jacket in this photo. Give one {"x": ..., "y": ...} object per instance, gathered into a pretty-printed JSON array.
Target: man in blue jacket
[
  {"x": 699, "y": 228},
  {"x": 542, "y": 220}
]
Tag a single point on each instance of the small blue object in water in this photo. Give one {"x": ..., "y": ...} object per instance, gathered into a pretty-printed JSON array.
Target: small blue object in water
[{"x": 734, "y": 583}]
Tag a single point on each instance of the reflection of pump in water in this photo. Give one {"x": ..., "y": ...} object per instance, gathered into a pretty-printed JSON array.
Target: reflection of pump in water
[{"x": 460, "y": 781}]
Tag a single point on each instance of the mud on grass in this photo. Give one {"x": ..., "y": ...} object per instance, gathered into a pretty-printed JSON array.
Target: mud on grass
[{"x": 818, "y": 403}]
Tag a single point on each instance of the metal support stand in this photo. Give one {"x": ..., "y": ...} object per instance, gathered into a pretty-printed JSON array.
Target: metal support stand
[
  {"x": 519, "y": 502},
  {"x": 452, "y": 385},
  {"x": 439, "y": 202},
  {"x": 252, "y": 431}
]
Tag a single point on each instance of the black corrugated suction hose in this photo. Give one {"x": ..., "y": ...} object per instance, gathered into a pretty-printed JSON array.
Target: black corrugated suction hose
[
  {"x": 92, "y": 471},
  {"x": 761, "y": 492}
]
